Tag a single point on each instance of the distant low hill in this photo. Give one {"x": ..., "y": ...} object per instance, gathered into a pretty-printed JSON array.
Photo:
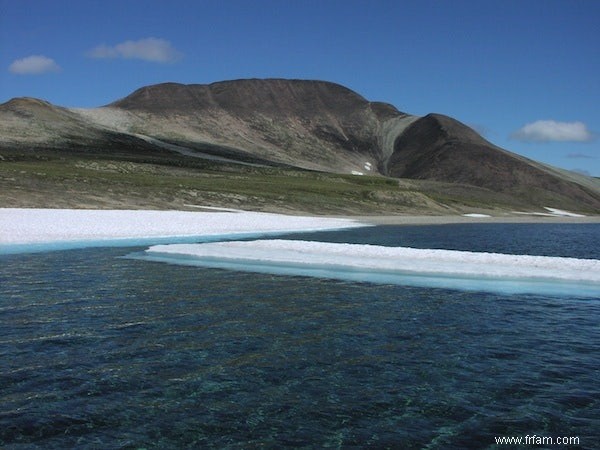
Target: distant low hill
[{"x": 314, "y": 125}]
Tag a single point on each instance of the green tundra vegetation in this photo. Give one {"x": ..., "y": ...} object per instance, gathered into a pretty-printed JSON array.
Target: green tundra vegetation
[{"x": 165, "y": 181}]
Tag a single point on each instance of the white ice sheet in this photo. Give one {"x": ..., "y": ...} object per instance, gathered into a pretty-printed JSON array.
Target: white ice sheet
[
  {"x": 392, "y": 264},
  {"x": 25, "y": 226},
  {"x": 41, "y": 230}
]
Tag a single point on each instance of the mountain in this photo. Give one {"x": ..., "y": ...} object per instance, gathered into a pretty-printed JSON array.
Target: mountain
[
  {"x": 437, "y": 147},
  {"x": 314, "y": 125},
  {"x": 29, "y": 123},
  {"x": 309, "y": 124}
]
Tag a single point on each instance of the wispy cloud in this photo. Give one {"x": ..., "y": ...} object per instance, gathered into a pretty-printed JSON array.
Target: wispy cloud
[
  {"x": 148, "y": 49},
  {"x": 34, "y": 65},
  {"x": 580, "y": 156},
  {"x": 553, "y": 131}
]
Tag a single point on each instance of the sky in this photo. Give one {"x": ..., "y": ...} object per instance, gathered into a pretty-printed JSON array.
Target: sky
[{"x": 525, "y": 74}]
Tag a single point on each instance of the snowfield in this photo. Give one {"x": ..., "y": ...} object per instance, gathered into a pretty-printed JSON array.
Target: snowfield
[{"x": 31, "y": 226}]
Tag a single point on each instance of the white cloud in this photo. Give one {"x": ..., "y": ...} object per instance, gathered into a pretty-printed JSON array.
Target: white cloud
[
  {"x": 553, "y": 131},
  {"x": 102, "y": 51},
  {"x": 148, "y": 49},
  {"x": 34, "y": 65}
]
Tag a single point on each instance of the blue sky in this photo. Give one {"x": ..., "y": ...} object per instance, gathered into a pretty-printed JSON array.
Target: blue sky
[{"x": 526, "y": 74}]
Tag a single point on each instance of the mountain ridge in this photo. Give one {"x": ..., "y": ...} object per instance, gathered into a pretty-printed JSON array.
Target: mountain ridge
[{"x": 307, "y": 124}]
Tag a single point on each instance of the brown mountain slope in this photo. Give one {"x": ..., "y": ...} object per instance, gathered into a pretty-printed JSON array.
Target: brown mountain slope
[
  {"x": 313, "y": 125},
  {"x": 437, "y": 147},
  {"x": 310, "y": 124},
  {"x": 29, "y": 123}
]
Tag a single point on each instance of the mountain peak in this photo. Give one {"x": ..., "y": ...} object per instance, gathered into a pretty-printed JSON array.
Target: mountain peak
[
  {"x": 272, "y": 96},
  {"x": 19, "y": 103}
]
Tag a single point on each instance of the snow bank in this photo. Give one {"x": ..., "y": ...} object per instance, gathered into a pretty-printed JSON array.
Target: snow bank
[
  {"x": 447, "y": 268},
  {"x": 560, "y": 212},
  {"x": 33, "y": 226},
  {"x": 552, "y": 212}
]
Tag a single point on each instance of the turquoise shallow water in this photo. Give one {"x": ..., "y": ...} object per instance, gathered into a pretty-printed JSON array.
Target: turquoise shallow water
[{"x": 100, "y": 351}]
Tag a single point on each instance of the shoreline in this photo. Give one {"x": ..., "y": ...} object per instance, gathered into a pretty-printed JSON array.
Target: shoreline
[
  {"x": 448, "y": 220},
  {"x": 23, "y": 226}
]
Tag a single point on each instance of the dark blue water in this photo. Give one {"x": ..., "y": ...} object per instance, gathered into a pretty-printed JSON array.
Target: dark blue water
[
  {"x": 99, "y": 351},
  {"x": 568, "y": 240}
]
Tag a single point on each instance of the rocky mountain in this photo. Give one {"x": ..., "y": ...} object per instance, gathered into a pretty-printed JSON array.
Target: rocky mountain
[
  {"x": 313, "y": 125},
  {"x": 309, "y": 124}
]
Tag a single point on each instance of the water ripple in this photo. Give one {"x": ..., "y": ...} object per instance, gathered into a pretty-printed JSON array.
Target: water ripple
[{"x": 115, "y": 353}]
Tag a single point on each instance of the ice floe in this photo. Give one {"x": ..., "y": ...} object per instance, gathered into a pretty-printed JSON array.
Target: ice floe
[{"x": 401, "y": 265}]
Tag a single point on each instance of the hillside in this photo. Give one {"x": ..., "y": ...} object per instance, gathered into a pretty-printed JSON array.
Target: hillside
[
  {"x": 309, "y": 124},
  {"x": 291, "y": 125},
  {"x": 439, "y": 148}
]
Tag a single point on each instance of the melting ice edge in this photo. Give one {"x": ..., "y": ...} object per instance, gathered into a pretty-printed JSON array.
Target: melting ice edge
[{"x": 473, "y": 271}]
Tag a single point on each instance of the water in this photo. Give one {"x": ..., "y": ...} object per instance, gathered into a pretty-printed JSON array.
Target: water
[{"x": 101, "y": 351}]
